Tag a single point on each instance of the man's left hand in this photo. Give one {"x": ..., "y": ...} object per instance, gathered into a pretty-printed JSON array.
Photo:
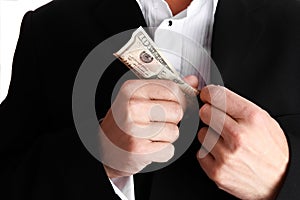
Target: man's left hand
[{"x": 246, "y": 157}]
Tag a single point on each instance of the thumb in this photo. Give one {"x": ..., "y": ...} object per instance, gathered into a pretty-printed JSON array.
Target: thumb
[{"x": 192, "y": 80}]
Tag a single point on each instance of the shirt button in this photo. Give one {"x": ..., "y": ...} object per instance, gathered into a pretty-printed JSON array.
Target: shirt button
[{"x": 170, "y": 22}]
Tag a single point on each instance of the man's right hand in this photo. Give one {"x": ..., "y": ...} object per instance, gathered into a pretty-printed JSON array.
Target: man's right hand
[{"x": 141, "y": 126}]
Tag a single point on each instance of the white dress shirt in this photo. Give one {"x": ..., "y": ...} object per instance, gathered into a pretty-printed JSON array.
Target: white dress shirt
[
  {"x": 184, "y": 39},
  {"x": 124, "y": 187},
  {"x": 192, "y": 30}
]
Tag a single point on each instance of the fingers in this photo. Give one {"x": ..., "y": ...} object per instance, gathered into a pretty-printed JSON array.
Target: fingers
[
  {"x": 227, "y": 101},
  {"x": 207, "y": 161},
  {"x": 163, "y": 155},
  {"x": 141, "y": 102},
  {"x": 142, "y": 125},
  {"x": 192, "y": 81},
  {"x": 145, "y": 111},
  {"x": 153, "y": 90},
  {"x": 169, "y": 134},
  {"x": 219, "y": 121},
  {"x": 155, "y": 131},
  {"x": 212, "y": 143}
]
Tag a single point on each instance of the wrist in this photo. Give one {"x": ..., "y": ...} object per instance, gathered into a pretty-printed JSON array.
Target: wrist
[{"x": 113, "y": 173}]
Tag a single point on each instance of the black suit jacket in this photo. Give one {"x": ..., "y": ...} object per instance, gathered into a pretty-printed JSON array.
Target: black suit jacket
[{"x": 255, "y": 46}]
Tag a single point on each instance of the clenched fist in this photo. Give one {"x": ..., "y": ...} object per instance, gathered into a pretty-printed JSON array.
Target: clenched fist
[{"x": 141, "y": 126}]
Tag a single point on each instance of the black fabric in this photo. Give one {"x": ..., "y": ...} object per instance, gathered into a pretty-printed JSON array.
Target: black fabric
[{"x": 255, "y": 46}]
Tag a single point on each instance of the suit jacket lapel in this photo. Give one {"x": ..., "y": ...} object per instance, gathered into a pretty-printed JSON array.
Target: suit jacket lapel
[{"x": 126, "y": 15}]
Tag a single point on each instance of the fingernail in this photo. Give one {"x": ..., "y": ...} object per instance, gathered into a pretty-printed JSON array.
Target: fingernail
[{"x": 202, "y": 153}]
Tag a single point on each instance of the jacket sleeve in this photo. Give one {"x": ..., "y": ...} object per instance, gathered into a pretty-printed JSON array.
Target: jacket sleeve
[
  {"x": 291, "y": 123},
  {"x": 20, "y": 111},
  {"x": 290, "y": 188},
  {"x": 36, "y": 164}
]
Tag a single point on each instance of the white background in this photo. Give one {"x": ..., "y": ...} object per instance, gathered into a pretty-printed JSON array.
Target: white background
[{"x": 11, "y": 14}]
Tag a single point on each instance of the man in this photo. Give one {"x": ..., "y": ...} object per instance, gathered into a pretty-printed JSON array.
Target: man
[{"x": 255, "y": 46}]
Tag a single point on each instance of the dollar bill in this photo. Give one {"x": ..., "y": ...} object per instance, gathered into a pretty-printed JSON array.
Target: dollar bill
[{"x": 141, "y": 55}]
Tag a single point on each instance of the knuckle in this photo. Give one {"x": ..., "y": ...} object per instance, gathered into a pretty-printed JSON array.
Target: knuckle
[
  {"x": 215, "y": 173},
  {"x": 166, "y": 153},
  {"x": 225, "y": 158},
  {"x": 127, "y": 88},
  {"x": 170, "y": 133},
  {"x": 129, "y": 114},
  {"x": 239, "y": 142},
  {"x": 175, "y": 133},
  {"x": 218, "y": 176},
  {"x": 131, "y": 106},
  {"x": 234, "y": 131},
  {"x": 265, "y": 113},
  {"x": 171, "y": 151},
  {"x": 178, "y": 111},
  {"x": 128, "y": 84},
  {"x": 255, "y": 115},
  {"x": 134, "y": 105}
]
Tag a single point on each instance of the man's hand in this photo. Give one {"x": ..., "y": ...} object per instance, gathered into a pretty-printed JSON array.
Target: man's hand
[
  {"x": 141, "y": 126},
  {"x": 250, "y": 157}
]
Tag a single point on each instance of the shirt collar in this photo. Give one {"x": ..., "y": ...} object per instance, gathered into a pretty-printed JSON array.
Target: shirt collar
[{"x": 192, "y": 9}]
